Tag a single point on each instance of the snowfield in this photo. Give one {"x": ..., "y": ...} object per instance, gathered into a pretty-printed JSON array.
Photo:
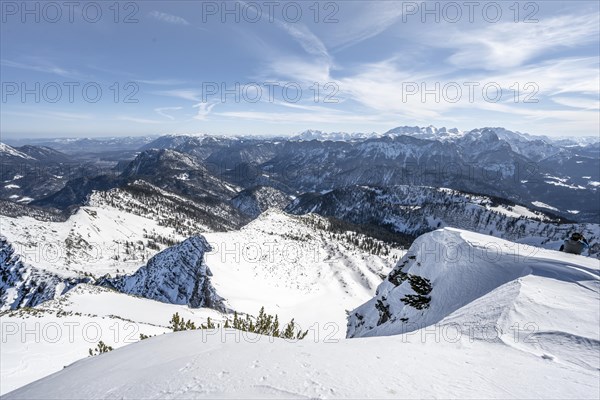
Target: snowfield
[
  {"x": 225, "y": 364},
  {"x": 278, "y": 261},
  {"x": 504, "y": 320},
  {"x": 40, "y": 341}
]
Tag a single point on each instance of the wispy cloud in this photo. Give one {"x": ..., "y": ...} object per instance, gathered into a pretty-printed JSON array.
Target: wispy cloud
[
  {"x": 58, "y": 115},
  {"x": 298, "y": 31},
  {"x": 298, "y": 70},
  {"x": 162, "y": 112},
  {"x": 367, "y": 21},
  {"x": 169, "y": 18},
  {"x": 507, "y": 45},
  {"x": 44, "y": 66},
  {"x": 160, "y": 82},
  {"x": 185, "y": 94},
  {"x": 139, "y": 120},
  {"x": 585, "y": 103},
  {"x": 308, "y": 40},
  {"x": 204, "y": 110}
]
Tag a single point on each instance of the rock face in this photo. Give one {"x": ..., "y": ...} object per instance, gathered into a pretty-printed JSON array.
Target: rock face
[
  {"x": 252, "y": 202},
  {"x": 177, "y": 275},
  {"x": 24, "y": 286}
]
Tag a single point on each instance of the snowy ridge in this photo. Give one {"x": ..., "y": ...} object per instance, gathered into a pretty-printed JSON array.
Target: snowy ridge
[
  {"x": 416, "y": 210},
  {"x": 6, "y": 151},
  {"x": 429, "y": 132},
  {"x": 312, "y": 134},
  {"x": 177, "y": 275},
  {"x": 185, "y": 216},
  {"x": 458, "y": 277},
  {"x": 24, "y": 286},
  {"x": 294, "y": 265},
  {"x": 295, "y": 261}
]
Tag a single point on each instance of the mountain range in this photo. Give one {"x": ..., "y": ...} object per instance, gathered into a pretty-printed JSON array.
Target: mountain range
[{"x": 369, "y": 242}]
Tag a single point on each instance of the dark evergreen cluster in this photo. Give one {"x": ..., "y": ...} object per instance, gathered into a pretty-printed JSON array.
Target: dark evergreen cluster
[
  {"x": 384, "y": 311},
  {"x": 100, "y": 348},
  {"x": 263, "y": 324},
  {"x": 422, "y": 286}
]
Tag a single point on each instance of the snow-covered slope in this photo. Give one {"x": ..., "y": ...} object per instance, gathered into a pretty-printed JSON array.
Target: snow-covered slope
[
  {"x": 39, "y": 341},
  {"x": 221, "y": 364},
  {"x": 297, "y": 268},
  {"x": 279, "y": 261},
  {"x": 427, "y": 132},
  {"x": 457, "y": 282},
  {"x": 93, "y": 241},
  {"x": 7, "y": 151},
  {"x": 509, "y": 321}
]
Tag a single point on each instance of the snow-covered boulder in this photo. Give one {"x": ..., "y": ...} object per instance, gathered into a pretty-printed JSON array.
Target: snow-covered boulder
[{"x": 177, "y": 275}]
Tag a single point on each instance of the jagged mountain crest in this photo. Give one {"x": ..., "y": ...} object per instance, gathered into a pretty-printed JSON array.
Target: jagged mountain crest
[
  {"x": 22, "y": 285},
  {"x": 177, "y": 275},
  {"x": 417, "y": 210}
]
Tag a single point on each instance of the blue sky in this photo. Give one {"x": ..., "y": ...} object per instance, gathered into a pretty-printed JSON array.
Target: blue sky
[{"x": 352, "y": 66}]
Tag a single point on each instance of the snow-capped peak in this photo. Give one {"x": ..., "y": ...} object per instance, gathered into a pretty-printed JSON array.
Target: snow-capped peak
[
  {"x": 312, "y": 134},
  {"x": 429, "y": 132}
]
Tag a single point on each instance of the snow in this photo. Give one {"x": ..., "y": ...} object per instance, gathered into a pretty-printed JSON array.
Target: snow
[
  {"x": 576, "y": 187},
  {"x": 262, "y": 265},
  {"x": 463, "y": 267},
  {"x": 274, "y": 261},
  {"x": 544, "y": 205},
  {"x": 57, "y": 333},
  {"x": 505, "y": 320},
  {"x": 542, "y": 308},
  {"x": 297, "y": 273},
  {"x": 516, "y": 211},
  {"x": 4, "y": 148},
  {"x": 98, "y": 235}
]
